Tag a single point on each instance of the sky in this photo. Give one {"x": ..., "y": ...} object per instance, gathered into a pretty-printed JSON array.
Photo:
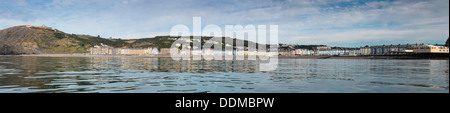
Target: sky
[{"x": 347, "y": 23}]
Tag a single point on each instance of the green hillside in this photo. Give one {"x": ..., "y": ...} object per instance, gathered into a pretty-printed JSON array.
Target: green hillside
[{"x": 35, "y": 40}]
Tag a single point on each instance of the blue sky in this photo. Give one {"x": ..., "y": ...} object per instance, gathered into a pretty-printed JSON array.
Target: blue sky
[{"x": 330, "y": 22}]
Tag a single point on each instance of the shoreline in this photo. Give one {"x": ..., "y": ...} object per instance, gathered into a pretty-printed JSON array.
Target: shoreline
[{"x": 411, "y": 57}]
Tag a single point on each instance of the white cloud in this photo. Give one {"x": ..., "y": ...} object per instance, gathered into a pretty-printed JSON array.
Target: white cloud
[{"x": 300, "y": 21}]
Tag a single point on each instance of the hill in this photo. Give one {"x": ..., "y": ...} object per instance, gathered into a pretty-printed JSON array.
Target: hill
[{"x": 35, "y": 40}]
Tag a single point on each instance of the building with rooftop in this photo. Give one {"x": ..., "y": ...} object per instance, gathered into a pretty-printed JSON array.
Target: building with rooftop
[
  {"x": 431, "y": 49},
  {"x": 108, "y": 50}
]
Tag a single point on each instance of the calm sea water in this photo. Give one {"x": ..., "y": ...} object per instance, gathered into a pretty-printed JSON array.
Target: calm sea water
[{"x": 163, "y": 75}]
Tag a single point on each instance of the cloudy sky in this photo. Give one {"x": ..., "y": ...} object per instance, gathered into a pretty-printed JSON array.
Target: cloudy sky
[{"x": 350, "y": 23}]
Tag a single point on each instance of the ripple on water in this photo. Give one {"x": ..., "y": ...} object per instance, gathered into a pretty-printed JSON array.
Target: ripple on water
[{"x": 144, "y": 75}]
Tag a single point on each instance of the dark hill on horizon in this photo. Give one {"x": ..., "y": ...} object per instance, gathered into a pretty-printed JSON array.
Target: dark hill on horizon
[{"x": 34, "y": 40}]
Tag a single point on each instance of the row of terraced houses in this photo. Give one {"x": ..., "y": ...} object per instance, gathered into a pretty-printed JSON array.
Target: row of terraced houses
[{"x": 288, "y": 50}]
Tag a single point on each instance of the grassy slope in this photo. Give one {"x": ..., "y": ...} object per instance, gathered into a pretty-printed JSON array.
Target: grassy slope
[{"x": 53, "y": 41}]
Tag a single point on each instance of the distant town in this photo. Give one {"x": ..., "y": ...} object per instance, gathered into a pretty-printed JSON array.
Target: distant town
[
  {"x": 290, "y": 50},
  {"x": 46, "y": 40}
]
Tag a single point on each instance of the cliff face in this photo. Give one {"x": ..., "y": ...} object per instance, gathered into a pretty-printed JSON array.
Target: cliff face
[
  {"x": 33, "y": 40},
  {"x": 22, "y": 40}
]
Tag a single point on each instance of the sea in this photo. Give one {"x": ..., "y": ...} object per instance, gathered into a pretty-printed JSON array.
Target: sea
[{"x": 34, "y": 74}]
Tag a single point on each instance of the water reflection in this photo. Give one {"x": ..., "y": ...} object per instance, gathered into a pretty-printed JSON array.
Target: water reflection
[
  {"x": 136, "y": 75},
  {"x": 169, "y": 65}
]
